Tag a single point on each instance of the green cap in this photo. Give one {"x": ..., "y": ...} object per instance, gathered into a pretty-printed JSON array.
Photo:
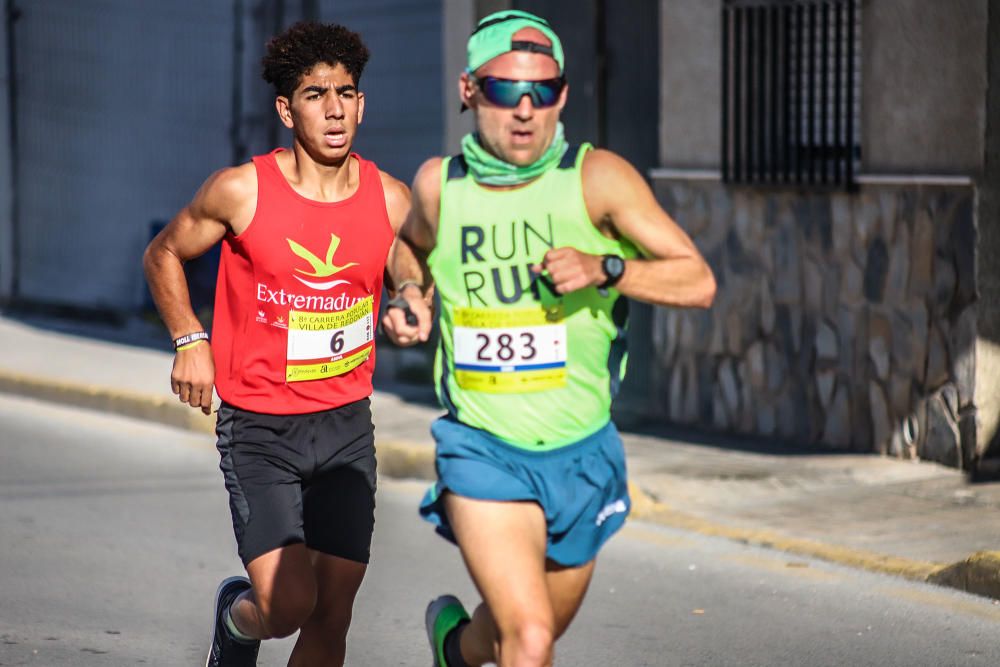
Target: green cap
[{"x": 494, "y": 37}]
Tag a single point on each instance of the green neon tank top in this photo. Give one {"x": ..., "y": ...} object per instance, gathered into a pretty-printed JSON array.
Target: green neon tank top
[{"x": 532, "y": 367}]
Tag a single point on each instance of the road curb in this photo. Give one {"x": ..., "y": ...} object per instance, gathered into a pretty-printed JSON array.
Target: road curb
[
  {"x": 978, "y": 574},
  {"x": 127, "y": 403},
  {"x": 405, "y": 460},
  {"x": 396, "y": 458}
]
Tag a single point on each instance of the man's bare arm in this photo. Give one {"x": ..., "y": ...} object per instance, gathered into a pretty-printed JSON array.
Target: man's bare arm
[
  {"x": 671, "y": 272},
  {"x": 196, "y": 228},
  {"x": 397, "y": 205},
  {"x": 224, "y": 202},
  {"x": 419, "y": 232},
  {"x": 408, "y": 258}
]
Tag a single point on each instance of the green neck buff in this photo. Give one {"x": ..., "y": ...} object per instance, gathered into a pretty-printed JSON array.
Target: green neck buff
[{"x": 488, "y": 169}]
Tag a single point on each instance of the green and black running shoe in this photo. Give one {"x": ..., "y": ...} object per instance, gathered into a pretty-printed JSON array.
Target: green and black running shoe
[{"x": 443, "y": 615}]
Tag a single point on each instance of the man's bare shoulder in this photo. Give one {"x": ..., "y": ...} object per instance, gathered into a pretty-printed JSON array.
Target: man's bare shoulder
[
  {"x": 232, "y": 185},
  {"x": 421, "y": 225},
  {"x": 601, "y": 165},
  {"x": 226, "y": 188},
  {"x": 608, "y": 177},
  {"x": 397, "y": 199},
  {"x": 229, "y": 195},
  {"x": 392, "y": 186},
  {"x": 612, "y": 187},
  {"x": 427, "y": 180}
]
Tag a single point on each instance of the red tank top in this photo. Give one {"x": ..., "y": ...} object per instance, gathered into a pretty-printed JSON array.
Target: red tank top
[{"x": 297, "y": 296}]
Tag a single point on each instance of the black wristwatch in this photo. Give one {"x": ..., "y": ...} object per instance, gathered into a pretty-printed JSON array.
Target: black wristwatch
[{"x": 613, "y": 267}]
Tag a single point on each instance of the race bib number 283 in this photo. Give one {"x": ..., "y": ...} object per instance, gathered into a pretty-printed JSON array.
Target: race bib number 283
[
  {"x": 508, "y": 351},
  {"x": 322, "y": 345}
]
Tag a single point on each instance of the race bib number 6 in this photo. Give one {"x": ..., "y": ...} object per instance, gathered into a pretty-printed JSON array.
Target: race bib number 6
[
  {"x": 323, "y": 345},
  {"x": 508, "y": 351}
]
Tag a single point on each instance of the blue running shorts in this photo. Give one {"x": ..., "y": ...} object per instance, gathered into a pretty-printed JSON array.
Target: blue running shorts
[{"x": 581, "y": 487}]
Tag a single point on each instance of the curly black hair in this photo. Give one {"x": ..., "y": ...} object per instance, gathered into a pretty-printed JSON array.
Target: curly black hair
[{"x": 291, "y": 54}]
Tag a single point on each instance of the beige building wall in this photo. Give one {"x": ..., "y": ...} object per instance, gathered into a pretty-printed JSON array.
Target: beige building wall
[
  {"x": 924, "y": 86},
  {"x": 691, "y": 75}
]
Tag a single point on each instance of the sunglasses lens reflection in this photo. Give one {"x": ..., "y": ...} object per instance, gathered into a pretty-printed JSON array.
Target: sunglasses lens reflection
[{"x": 508, "y": 93}]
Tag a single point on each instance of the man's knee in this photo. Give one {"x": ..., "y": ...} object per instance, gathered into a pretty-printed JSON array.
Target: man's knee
[
  {"x": 286, "y": 609},
  {"x": 334, "y": 620},
  {"x": 531, "y": 639},
  {"x": 338, "y": 581}
]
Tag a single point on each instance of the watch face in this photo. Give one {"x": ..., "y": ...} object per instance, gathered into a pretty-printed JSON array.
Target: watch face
[{"x": 614, "y": 266}]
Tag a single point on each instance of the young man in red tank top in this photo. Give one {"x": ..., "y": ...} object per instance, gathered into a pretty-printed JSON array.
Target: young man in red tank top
[{"x": 306, "y": 233}]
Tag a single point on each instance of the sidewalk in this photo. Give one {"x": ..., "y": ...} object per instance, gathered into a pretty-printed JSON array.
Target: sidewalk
[{"x": 917, "y": 520}]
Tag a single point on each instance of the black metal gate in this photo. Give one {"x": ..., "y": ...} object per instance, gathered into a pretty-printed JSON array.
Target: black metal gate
[{"x": 790, "y": 91}]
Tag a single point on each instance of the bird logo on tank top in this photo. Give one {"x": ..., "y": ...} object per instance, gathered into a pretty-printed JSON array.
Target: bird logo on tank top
[{"x": 320, "y": 268}]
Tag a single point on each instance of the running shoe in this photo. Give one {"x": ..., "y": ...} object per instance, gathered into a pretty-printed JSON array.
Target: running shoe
[
  {"x": 226, "y": 650},
  {"x": 443, "y": 615}
]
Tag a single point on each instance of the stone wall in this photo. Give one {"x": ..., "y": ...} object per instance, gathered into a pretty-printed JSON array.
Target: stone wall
[{"x": 845, "y": 320}]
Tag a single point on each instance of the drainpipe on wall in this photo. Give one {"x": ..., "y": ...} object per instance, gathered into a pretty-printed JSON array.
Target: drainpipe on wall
[
  {"x": 278, "y": 22},
  {"x": 12, "y": 13},
  {"x": 236, "y": 119},
  {"x": 601, "y": 78},
  {"x": 457, "y": 22}
]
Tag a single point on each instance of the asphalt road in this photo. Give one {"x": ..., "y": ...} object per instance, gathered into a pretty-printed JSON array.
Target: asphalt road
[{"x": 115, "y": 532}]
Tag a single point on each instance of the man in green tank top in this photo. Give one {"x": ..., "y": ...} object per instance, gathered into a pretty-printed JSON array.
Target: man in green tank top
[{"x": 533, "y": 247}]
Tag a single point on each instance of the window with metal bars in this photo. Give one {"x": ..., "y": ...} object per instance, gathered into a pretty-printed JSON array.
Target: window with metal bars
[{"x": 791, "y": 84}]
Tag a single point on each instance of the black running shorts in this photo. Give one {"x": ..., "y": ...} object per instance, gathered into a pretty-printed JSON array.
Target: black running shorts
[{"x": 296, "y": 479}]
